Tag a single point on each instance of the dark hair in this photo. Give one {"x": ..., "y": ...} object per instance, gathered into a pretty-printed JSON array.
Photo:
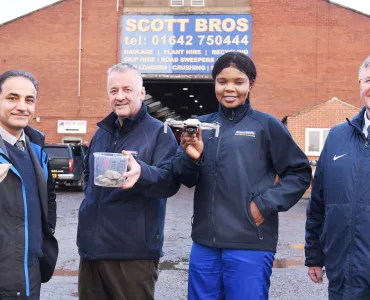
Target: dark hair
[
  {"x": 238, "y": 60},
  {"x": 18, "y": 73}
]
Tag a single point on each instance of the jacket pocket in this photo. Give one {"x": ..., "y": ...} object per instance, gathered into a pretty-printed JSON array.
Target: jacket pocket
[
  {"x": 48, "y": 261},
  {"x": 335, "y": 239},
  {"x": 249, "y": 213},
  {"x": 10, "y": 295},
  {"x": 250, "y": 217},
  {"x": 323, "y": 232}
]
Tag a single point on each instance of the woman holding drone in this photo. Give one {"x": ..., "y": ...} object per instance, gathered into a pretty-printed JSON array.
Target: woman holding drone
[{"x": 236, "y": 203}]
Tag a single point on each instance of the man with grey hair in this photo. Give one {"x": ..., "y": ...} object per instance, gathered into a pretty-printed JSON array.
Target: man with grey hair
[
  {"x": 28, "y": 249},
  {"x": 120, "y": 230},
  {"x": 338, "y": 213}
]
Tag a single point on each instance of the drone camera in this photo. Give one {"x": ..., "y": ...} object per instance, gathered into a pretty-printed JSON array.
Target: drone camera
[{"x": 191, "y": 129}]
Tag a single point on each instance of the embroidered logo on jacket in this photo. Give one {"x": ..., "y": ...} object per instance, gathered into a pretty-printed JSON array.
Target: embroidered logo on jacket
[
  {"x": 246, "y": 133},
  {"x": 336, "y": 157}
]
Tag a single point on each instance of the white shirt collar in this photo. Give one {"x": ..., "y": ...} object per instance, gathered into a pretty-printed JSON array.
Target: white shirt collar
[
  {"x": 11, "y": 139},
  {"x": 367, "y": 124}
]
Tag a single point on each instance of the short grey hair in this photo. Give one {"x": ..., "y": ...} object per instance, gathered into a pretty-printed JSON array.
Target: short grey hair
[
  {"x": 122, "y": 67},
  {"x": 18, "y": 73},
  {"x": 364, "y": 66}
]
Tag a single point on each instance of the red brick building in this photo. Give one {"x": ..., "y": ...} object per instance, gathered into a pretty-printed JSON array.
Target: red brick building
[
  {"x": 310, "y": 127},
  {"x": 306, "y": 52}
]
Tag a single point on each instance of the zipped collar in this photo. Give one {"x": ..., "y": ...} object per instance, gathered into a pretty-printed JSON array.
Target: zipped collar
[
  {"x": 234, "y": 114},
  {"x": 358, "y": 120},
  {"x": 109, "y": 123}
]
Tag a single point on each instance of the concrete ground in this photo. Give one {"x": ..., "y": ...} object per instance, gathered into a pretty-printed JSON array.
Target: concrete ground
[{"x": 289, "y": 279}]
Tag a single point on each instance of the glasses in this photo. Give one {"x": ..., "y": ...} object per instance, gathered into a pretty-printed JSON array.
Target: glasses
[{"x": 365, "y": 80}]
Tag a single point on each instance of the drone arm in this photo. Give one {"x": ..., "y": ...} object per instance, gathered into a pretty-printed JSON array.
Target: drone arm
[
  {"x": 208, "y": 125},
  {"x": 217, "y": 130},
  {"x": 211, "y": 126}
]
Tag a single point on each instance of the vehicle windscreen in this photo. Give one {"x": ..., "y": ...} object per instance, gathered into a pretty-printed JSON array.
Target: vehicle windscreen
[
  {"x": 76, "y": 150},
  {"x": 57, "y": 152}
]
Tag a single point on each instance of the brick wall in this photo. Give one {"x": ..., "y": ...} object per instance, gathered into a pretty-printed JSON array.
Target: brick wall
[
  {"x": 46, "y": 43},
  {"x": 305, "y": 51}
]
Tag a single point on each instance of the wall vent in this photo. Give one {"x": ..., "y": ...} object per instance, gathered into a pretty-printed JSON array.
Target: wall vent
[
  {"x": 176, "y": 2},
  {"x": 197, "y": 2}
]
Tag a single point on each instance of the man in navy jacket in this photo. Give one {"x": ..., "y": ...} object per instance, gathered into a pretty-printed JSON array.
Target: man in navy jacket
[
  {"x": 338, "y": 214},
  {"x": 120, "y": 230}
]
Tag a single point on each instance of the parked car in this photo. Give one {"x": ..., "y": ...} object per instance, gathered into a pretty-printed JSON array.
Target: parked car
[
  {"x": 84, "y": 150},
  {"x": 66, "y": 163}
]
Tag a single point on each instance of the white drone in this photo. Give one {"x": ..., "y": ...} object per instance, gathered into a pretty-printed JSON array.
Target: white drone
[{"x": 191, "y": 125}]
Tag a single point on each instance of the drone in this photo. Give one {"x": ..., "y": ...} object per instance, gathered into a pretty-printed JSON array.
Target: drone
[{"x": 191, "y": 125}]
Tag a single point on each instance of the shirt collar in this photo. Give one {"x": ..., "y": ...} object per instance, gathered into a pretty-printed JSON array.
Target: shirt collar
[
  {"x": 11, "y": 139},
  {"x": 367, "y": 121}
]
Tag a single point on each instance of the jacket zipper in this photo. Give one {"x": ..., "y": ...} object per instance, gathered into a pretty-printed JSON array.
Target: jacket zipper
[
  {"x": 97, "y": 217},
  {"x": 353, "y": 210},
  {"x": 232, "y": 115},
  {"x": 25, "y": 261},
  {"x": 193, "y": 216},
  {"x": 213, "y": 196},
  {"x": 260, "y": 236}
]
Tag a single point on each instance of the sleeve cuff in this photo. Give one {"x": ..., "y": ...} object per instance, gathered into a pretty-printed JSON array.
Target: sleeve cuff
[
  {"x": 191, "y": 162},
  {"x": 261, "y": 206},
  {"x": 144, "y": 178},
  {"x": 315, "y": 264}
]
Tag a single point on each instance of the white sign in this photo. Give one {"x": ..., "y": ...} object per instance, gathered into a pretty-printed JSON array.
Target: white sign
[{"x": 71, "y": 126}]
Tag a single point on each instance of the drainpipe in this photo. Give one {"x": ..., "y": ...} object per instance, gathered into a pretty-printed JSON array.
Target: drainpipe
[{"x": 80, "y": 52}]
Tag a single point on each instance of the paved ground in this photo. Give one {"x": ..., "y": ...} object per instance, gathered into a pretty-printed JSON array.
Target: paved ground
[{"x": 289, "y": 280}]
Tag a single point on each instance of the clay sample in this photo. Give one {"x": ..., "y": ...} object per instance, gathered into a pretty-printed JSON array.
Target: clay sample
[{"x": 110, "y": 178}]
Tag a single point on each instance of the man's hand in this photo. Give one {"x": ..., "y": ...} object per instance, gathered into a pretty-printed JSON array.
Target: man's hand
[
  {"x": 316, "y": 274},
  {"x": 133, "y": 173},
  {"x": 256, "y": 214},
  {"x": 192, "y": 144}
]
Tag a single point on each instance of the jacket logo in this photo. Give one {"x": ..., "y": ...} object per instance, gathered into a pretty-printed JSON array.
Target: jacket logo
[
  {"x": 336, "y": 157},
  {"x": 246, "y": 133}
]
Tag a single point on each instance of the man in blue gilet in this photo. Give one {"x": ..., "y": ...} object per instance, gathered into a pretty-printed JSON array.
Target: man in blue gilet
[{"x": 28, "y": 249}]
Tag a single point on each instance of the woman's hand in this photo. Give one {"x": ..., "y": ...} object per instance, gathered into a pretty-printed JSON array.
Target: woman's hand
[
  {"x": 192, "y": 144},
  {"x": 256, "y": 214}
]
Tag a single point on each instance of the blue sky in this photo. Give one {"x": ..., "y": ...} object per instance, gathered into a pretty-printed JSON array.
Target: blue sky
[{"x": 11, "y": 9}]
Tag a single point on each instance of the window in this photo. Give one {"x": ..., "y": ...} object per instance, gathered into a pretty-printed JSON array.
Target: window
[
  {"x": 57, "y": 152},
  {"x": 77, "y": 150},
  {"x": 176, "y": 2},
  {"x": 315, "y": 140},
  {"x": 197, "y": 2}
]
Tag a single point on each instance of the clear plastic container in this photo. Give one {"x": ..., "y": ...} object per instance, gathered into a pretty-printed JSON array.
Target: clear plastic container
[{"x": 108, "y": 169}]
